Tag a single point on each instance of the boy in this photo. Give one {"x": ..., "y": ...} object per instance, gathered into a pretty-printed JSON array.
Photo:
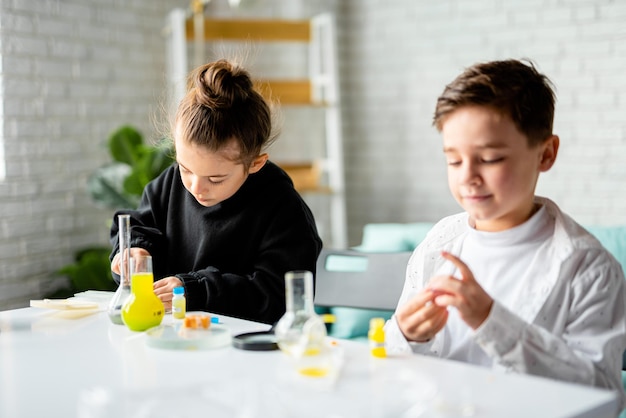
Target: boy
[{"x": 512, "y": 283}]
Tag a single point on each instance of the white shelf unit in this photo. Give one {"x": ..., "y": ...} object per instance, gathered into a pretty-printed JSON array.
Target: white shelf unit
[{"x": 322, "y": 176}]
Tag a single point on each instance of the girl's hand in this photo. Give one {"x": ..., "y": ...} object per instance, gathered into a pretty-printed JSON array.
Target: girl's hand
[
  {"x": 134, "y": 252},
  {"x": 164, "y": 289},
  {"x": 420, "y": 319},
  {"x": 472, "y": 302}
]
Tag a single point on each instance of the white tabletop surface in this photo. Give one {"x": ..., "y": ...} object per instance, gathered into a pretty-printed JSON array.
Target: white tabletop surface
[{"x": 89, "y": 367}]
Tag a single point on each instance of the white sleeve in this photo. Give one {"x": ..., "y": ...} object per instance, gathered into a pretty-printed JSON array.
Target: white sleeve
[
  {"x": 588, "y": 350},
  {"x": 397, "y": 344},
  {"x": 395, "y": 341}
]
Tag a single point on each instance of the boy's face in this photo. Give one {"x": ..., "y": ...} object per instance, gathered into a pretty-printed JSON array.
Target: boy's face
[
  {"x": 492, "y": 172},
  {"x": 212, "y": 177}
]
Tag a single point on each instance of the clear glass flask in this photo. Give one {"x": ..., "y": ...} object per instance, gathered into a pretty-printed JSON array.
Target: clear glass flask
[
  {"x": 300, "y": 330},
  {"x": 143, "y": 309},
  {"x": 123, "y": 290}
]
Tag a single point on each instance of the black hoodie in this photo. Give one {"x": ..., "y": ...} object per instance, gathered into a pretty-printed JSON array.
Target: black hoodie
[{"x": 232, "y": 256}]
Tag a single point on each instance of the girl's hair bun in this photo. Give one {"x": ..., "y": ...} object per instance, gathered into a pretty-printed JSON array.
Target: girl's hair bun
[
  {"x": 222, "y": 105},
  {"x": 221, "y": 85}
]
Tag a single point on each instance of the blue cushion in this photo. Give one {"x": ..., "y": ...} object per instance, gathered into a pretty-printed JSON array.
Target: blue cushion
[{"x": 393, "y": 237}]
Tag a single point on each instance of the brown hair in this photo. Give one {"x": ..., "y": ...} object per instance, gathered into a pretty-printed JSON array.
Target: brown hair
[
  {"x": 222, "y": 105},
  {"x": 511, "y": 87}
]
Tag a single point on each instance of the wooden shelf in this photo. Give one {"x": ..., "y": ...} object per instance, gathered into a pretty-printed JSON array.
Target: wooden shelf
[
  {"x": 293, "y": 92},
  {"x": 306, "y": 176},
  {"x": 251, "y": 29}
]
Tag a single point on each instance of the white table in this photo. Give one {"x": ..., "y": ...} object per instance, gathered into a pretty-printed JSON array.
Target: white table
[{"x": 88, "y": 367}]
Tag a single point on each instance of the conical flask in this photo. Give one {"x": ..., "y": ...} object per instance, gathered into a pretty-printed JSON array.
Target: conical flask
[
  {"x": 300, "y": 328},
  {"x": 123, "y": 291}
]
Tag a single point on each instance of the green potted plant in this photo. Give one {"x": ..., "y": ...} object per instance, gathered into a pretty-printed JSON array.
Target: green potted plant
[{"x": 117, "y": 185}]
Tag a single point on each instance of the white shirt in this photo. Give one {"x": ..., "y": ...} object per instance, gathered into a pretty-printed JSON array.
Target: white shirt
[
  {"x": 563, "y": 317},
  {"x": 498, "y": 261}
]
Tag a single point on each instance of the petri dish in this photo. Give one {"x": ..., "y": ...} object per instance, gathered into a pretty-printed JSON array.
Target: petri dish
[{"x": 176, "y": 337}]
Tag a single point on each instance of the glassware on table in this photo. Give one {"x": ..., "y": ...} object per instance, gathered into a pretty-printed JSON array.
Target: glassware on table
[
  {"x": 123, "y": 291},
  {"x": 143, "y": 309},
  {"x": 300, "y": 332}
]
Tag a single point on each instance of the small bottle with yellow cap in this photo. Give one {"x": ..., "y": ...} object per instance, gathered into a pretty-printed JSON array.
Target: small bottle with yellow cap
[{"x": 376, "y": 336}]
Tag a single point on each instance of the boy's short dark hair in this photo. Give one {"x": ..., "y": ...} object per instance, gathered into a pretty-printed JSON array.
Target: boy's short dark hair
[{"x": 510, "y": 86}]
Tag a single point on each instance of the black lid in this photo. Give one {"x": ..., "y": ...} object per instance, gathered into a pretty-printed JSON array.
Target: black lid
[{"x": 256, "y": 341}]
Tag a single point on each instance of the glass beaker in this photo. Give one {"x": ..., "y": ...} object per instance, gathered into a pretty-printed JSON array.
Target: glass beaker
[
  {"x": 300, "y": 330},
  {"x": 123, "y": 291}
]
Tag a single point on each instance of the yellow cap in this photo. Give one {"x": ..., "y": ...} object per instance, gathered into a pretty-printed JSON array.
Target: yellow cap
[
  {"x": 328, "y": 318},
  {"x": 377, "y": 323}
]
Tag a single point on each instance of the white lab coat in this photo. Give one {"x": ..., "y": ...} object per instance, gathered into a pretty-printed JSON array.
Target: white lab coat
[{"x": 567, "y": 323}]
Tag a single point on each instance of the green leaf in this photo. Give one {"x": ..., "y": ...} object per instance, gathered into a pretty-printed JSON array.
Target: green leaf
[
  {"x": 106, "y": 187},
  {"x": 152, "y": 163},
  {"x": 125, "y": 145},
  {"x": 134, "y": 183}
]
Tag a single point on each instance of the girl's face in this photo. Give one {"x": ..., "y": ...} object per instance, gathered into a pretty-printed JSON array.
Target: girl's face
[
  {"x": 212, "y": 177},
  {"x": 492, "y": 171}
]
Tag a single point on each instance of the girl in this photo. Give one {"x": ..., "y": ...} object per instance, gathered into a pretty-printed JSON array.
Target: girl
[{"x": 223, "y": 221}]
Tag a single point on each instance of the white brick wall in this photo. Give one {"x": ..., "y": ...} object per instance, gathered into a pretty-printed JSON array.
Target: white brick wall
[
  {"x": 399, "y": 56},
  {"x": 72, "y": 72}
]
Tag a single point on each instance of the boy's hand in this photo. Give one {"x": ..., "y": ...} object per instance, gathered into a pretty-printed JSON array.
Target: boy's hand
[
  {"x": 134, "y": 252},
  {"x": 420, "y": 319},
  {"x": 472, "y": 302},
  {"x": 164, "y": 289}
]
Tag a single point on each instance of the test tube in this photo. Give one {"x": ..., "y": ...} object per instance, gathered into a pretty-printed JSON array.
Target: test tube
[
  {"x": 124, "y": 244},
  {"x": 123, "y": 290}
]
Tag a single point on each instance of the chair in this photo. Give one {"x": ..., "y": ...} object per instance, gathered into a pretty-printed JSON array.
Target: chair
[{"x": 354, "y": 279}]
